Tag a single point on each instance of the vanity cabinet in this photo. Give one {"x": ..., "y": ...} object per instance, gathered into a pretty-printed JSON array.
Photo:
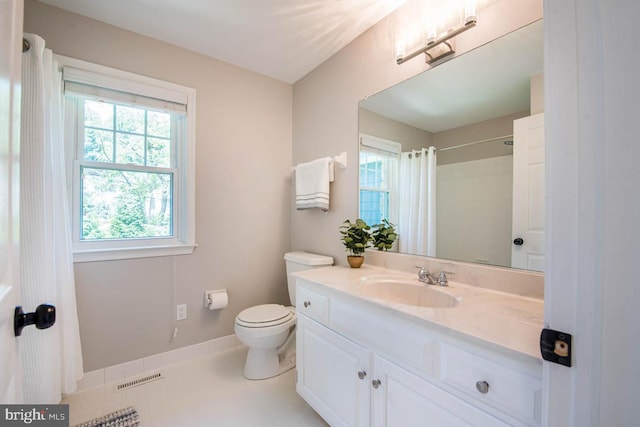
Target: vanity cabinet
[
  {"x": 332, "y": 374},
  {"x": 362, "y": 365}
]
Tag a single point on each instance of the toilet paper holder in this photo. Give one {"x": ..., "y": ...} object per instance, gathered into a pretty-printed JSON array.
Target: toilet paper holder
[{"x": 215, "y": 299}]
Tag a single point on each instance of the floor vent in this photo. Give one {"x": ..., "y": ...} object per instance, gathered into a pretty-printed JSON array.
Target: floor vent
[{"x": 137, "y": 382}]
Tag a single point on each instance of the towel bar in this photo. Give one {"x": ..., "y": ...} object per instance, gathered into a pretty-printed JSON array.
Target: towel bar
[{"x": 340, "y": 160}]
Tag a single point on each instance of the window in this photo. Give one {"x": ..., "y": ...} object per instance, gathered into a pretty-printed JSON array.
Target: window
[
  {"x": 133, "y": 164},
  {"x": 378, "y": 172},
  {"x": 127, "y": 171}
]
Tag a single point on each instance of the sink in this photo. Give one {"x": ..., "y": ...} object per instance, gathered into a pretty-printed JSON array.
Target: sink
[{"x": 406, "y": 291}]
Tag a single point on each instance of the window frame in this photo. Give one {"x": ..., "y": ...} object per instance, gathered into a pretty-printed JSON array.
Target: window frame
[
  {"x": 183, "y": 240},
  {"x": 392, "y": 150}
]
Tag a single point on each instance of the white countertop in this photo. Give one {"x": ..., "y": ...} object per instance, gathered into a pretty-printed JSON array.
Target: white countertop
[{"x": 506, "y": 320}]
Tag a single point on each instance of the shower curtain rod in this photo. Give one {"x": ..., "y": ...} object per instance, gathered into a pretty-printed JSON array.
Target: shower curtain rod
[
  {"x": 474, "y": 143},
  {"x": 25, "y": 45}
]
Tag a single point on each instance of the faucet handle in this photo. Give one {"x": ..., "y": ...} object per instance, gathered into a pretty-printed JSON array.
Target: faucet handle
[
  {"x": 442, "y": 279},
  {"x": 421, "y": 269},
  {"x": 423, "y": 274}
]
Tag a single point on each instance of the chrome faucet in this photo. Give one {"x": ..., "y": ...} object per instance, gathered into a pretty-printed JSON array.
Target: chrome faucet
[{"x": 425, "y": 277}]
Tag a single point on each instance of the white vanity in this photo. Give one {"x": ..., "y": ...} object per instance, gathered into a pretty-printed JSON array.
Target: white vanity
[{"x": 375, "y": 347}]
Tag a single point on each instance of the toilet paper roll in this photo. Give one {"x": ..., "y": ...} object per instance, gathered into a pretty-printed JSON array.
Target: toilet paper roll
[{"x": 217, "y": 299}]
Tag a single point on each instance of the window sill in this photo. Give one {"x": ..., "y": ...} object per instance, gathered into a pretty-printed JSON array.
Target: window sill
[{"x": 84, "y": 255}]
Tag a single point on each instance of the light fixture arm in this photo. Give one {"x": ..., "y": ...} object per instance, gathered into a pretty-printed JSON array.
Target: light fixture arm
[{"x": 442, "y": 39}]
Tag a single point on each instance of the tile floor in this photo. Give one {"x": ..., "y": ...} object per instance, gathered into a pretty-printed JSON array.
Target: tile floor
[{"x": 205, "y": 392}]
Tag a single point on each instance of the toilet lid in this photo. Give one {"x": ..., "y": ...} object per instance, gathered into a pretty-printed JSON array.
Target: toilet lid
[{"x": 265, "y": 315}]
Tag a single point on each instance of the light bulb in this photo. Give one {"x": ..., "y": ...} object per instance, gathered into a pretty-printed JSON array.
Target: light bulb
[
  {"x": 469, "y": 11},
  {"x": 400, "y": 50},
  {"x": 431, "y": 34}
]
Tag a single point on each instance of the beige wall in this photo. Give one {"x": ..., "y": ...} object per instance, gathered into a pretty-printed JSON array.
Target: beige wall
[
  {"x": 537, "y": 93},
  {"x": 493, "y": 128},
  {"x": 410, "y": 137},
  {"x": 474, "y": 204},
  {"x": 243, "y": 144},
  {"x": 325, "y": 107}
]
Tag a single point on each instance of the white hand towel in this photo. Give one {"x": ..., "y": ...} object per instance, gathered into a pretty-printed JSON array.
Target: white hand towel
[{"x": 312, "y": 184}]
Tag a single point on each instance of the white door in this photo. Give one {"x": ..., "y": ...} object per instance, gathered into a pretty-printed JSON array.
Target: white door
[
  {"x": 332, "y": 375},
  {"x": 10, "y": 68},
  {"x": 527, "y": 247}
]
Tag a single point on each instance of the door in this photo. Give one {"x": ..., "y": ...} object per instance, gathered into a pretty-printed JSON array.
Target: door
[
  {"x": 400, "y": 398},
  {"x": 10, "y": 68},
  {"x": 332, "y": 375},
  {"x": 528, "y": 222}
]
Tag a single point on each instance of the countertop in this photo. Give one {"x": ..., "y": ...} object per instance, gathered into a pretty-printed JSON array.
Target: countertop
[{"x": 507, "y": 320}]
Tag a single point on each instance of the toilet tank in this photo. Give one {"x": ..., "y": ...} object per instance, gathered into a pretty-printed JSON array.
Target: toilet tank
[{"x": 301, "y": 261}]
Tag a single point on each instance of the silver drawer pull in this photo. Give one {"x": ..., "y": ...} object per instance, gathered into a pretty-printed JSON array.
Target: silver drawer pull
[
  {"x": 482, "y": 387},
  {"x": 362, "y": 374},
  {"x": 307, "y": 303},
  {"x": 376, "y": 383}
]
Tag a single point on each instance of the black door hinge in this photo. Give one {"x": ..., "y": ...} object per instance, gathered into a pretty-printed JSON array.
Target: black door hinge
[{"x": 555, "y": 346}]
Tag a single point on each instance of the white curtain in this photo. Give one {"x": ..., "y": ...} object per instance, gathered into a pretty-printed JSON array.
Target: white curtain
[
  {"x": 51, "y": 358},
  {"x": 417, "y": 194}
]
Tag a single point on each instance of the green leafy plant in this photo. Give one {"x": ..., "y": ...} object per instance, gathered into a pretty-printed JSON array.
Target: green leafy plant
[
  {"x": 383, "y": 235},
  {"x": 355, "y": 236}
]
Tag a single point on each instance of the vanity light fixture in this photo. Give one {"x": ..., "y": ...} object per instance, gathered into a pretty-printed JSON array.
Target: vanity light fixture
[{"x": 436, "y": 48}]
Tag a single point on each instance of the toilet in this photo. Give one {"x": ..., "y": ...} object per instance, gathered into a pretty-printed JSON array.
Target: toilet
[{"x": 269, "y": 329}]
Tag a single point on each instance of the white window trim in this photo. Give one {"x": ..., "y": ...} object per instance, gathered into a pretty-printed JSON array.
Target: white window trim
[
  {"x": 185, "y": 241},
  {"x": 391, "y": 148}
]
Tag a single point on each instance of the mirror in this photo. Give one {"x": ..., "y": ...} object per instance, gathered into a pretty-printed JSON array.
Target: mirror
[{"x": 465, "y": 108}]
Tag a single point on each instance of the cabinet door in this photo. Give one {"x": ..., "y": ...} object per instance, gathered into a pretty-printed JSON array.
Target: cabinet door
[
  {"x": 403, "y": 399},
  {"x": 329, "y": 368}
]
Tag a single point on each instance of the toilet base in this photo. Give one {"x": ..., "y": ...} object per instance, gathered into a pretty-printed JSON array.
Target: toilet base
[{"x": 263, "y": 364}]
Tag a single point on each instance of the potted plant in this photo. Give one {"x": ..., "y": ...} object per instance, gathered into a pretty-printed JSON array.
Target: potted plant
[
  {"x": 383, "y": 235},
  {"x": 356, "y": 238}
]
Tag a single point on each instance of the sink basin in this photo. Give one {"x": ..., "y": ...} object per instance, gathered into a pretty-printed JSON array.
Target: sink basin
[{"x": 406, "y": 291}]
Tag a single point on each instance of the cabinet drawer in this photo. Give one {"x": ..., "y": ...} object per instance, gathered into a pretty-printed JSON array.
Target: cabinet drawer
[
  {"x": 514, "y": 391},
  {"x": 312, "y": 304},
  {"x": 402, "y": 342}
]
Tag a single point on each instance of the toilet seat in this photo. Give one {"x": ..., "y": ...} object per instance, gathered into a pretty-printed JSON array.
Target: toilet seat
[{"x": 264, "y": 316}]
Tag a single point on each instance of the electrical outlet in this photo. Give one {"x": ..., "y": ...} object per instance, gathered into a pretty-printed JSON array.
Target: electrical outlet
[{"x": 181, "y": 312}]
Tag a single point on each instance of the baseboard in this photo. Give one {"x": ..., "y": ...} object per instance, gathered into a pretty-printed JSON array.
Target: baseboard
[{"x": 123, "y": 371}]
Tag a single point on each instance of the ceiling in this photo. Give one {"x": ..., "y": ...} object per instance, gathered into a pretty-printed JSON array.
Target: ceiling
[
  {"x": 283, "y": 39},
  {"x": 490, "y": 81}
]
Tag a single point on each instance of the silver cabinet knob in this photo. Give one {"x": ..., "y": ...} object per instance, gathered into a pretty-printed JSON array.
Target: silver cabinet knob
[
  {"x": 482, "y": 387},
  {"x": 362, "y": 374},
  {"x": 376, "y": 383},
  {"x": 307, "y": 303}
]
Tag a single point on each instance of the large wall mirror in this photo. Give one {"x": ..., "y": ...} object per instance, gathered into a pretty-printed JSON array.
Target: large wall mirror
[{"x": 454, "y": 156}]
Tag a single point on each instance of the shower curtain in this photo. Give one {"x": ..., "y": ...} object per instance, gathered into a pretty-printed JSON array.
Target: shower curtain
[
  {"x": 417, "y": 194},
  {"x": 51, "y": 358}
]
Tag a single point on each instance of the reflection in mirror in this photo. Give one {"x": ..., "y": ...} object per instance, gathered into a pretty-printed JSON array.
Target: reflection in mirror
[{"x": 455, "y": 156}]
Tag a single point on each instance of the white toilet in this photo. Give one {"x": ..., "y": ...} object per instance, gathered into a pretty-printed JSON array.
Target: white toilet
[{"x": 269, "y": 329}]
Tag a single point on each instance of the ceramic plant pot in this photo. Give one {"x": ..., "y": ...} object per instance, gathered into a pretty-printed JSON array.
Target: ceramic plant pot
[{"x": 355, "y": 261}]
